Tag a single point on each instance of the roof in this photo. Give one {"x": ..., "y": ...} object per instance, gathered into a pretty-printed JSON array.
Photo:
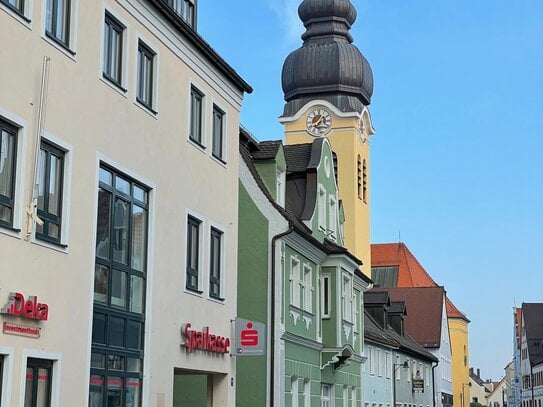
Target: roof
[
  {"x": 410, "y": 272},
  {"x": 194, "y": 38},
  {"x": 389, "y": 337},
  {"x": 533, "y": 326},
  {"x": 298, "y": 156},
  {"x": 425, "y": 305},
  {"x": 267, "y": 150}
]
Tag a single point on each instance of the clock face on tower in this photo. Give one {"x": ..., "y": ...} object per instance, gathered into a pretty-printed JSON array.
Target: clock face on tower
[{"x": 319, "y": 122}]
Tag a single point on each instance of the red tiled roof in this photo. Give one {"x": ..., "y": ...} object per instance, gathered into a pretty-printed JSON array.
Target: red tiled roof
[
  {"x": 424, "y": 311},
  {"x": 410, "y": 272}
]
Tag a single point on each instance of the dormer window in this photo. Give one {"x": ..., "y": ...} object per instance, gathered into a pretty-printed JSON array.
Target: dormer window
[{"x": 184, "y": 9}]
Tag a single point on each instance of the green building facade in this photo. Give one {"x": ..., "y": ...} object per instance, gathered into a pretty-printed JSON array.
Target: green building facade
[{"x": 296, "y": 278}]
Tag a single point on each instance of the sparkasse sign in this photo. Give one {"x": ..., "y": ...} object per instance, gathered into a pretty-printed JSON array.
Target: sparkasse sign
[
  {"x": 203, "y": 340},
  {"x": 250, "y": 339}
]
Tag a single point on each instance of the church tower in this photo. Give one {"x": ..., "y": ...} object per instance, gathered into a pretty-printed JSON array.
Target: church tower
[{"x": 327, "y": 85}]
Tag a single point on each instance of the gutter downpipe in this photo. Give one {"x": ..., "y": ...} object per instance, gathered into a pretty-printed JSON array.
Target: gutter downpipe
[
  {"x": 434, "y": 384},
  {"x": 272, "y": 315}
]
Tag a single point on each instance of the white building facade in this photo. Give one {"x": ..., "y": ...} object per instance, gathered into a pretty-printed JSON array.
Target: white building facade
[{"x": 119, "y": 132}]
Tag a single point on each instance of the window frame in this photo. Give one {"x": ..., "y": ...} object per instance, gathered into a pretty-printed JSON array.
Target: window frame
[
  {"x": 151, "y": 55},
  {"x": 218, "y": 133},
  {"x": 48, "y": 218},
  {"x": 295, "y": 282},
  {"x": 186, "y": 11},
  {"x": 216, "y": 280},
  {"x": 36, "y": 364},
  {"x": 322, "y": 207},
  {"x": 6, "y": 201},
  {"x": 193, "y": 220},
  {"x": 347, "y": 297},
  {"x": 196, "y": 121},
  {"x": 113, "y": 23},
  {"x": 326, "y": 400},
  {"x": 21, "y": 11},
  {"x": 116, "y": 358},
  {"x": 307, "y": 288},
  {"x": 50, "y": 31},
  {"x": 326, "y": 299}
]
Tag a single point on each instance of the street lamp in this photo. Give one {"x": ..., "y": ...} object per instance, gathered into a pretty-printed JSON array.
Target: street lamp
[
  {"x": 463, "y": 386},
  {"x": 395, "y": 367}
]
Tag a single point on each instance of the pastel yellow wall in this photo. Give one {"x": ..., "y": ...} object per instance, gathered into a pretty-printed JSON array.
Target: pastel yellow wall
[
  {"x": 458, "y": 331},
  {"x": 346, "y": 138}
]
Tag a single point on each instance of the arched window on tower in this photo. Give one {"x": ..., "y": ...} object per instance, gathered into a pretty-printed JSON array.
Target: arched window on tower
[
  {"x": 359, "y": 177},
  {"x": 334, "y": 158},
  {"x": 364, "y": 182}
]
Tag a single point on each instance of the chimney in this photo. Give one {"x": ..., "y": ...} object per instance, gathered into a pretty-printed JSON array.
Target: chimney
[
  {"x": 478, "y": 373},
  {"x": 471, "y": 371}
]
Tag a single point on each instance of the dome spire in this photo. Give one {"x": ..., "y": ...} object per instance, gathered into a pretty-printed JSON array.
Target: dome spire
[{"x": 327, "y": 66}]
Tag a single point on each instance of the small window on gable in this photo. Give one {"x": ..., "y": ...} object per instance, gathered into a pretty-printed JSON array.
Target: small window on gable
[
  {"x": 280, "y": 187},
  {"x": 322, "y": 208},
  {"x": 332, "y": 219}
]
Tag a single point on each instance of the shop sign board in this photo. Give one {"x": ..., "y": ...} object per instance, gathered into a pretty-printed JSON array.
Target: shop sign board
[
  {"x": 418, "y": 385},
  {"x": 204, "y": 340},
  {"x": 29, "y": 308},
  {"x": 21, "y": 330},
  {"x": 250, "y": 338}
]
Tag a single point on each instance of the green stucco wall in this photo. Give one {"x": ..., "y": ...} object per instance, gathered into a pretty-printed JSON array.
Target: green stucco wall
[
  {"x": 253, "y": 246},
  {"x": 190, "y": 390}
]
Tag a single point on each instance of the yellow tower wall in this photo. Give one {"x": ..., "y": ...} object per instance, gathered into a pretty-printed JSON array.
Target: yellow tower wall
[
  {"x": 458, "y": 331},
  {"x": 348, "y": 141}
]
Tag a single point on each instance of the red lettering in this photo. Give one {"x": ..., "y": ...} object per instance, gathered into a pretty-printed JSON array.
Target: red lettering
[
  {"x": 203, "y": 340},
  {"x": 29, "y": 309}
]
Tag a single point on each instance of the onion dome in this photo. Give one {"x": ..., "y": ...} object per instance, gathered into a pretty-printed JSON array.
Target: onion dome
[{"x": 327, "y": 66}]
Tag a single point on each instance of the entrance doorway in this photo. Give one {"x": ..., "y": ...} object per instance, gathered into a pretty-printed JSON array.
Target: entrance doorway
[{"x": 192, "y": 389}]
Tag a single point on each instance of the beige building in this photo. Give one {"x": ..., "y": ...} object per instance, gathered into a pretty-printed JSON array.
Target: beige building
[{"x": 119, "y": 136}]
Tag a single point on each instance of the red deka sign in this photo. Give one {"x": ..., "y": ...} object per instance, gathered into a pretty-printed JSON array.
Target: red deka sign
[
  {"x": 29, "y": 308},
  {"x": 203, "y": 340}
]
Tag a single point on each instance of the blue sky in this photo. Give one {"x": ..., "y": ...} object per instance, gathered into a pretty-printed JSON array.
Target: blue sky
[{"x": 456, "y": 161}]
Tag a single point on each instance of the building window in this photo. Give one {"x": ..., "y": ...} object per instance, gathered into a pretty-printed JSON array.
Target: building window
[
  {"x": 57, "y": 20},
  {"x": 16, "y": 5},
  {"x": 325, "y": 297},
  {"x": 332, "y": 216},
  {"x": 379, "y": 363},
  {"x": 215, "y": 263},
  {"x": 8, "y": 149},
  {"x": 116, "y": 369},
  {"x": 193, "y": 253},
  {"x": 322, "y": 208},
  {"x": 50, "y": 182},
  {"x": 326, "y": 397},
  {"x": 364, "y": 182},
  {"x": 184, "y": 9},
  {"x": 196, "y": 112},
  {"x": 280, "y": 187},
  {"x": 113, "y": 49},
  {"x": 38, "y": 383},
  {"x": 347, "y": 298},
  {"x": 294, "y": 391},
  {"x": 146, "y": 62},
  {"x": 307, "y": 289},
  {"x": 334, "y": 160},
  {"x": 218, "y": 133},
  {"x": 359, "y": 177},
  {"x": 387, "y": 365},
  {"x": 371, "y": 357},
  {"x": 295, "y": 282}
]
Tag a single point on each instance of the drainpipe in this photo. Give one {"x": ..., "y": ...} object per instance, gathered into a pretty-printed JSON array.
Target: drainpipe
[
  {"x": 272, "y": 327},
  {"x": 434, "y": 382}
]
